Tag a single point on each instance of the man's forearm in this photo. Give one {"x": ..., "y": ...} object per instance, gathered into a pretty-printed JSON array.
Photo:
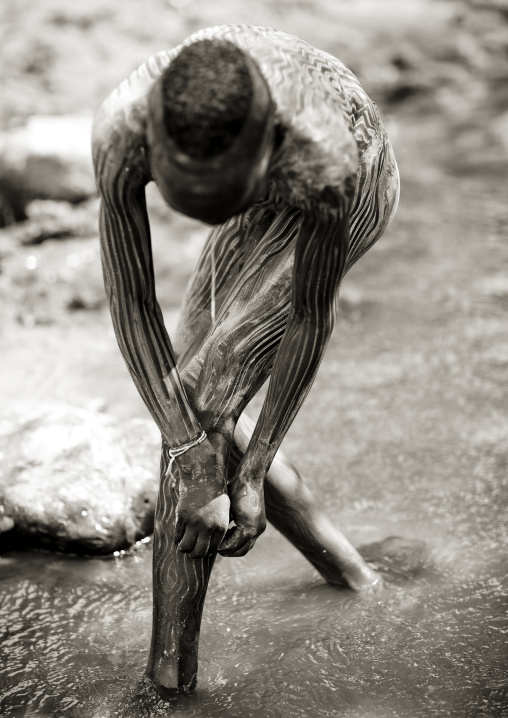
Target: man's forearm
[
  {"x": 293, "y": 374},
  {"x": 138, "y": 323},
  {"x": 320, "y": 259},
  {"x": 141, "y": 337}
]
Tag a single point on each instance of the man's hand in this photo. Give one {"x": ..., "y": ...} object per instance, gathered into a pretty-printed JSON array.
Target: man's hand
[
  {"x": 203, "y": 504},
  {"x": 248, "y": 512}
]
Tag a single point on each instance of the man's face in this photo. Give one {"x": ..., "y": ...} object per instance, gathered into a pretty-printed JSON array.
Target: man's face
[{"x": 206, "y": 191}]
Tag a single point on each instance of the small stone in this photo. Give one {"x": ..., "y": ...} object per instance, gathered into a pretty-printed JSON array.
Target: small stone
[{"x": 6, "y": 524}]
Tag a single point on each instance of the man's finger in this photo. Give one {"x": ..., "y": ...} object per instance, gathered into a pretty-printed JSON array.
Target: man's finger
[
  {"x": 189, "y": 539},
  {"x": 215, "y": 541},
  {"x": 180, "y": 529},
  {"x": 235, "y": 541},
  {"x": 201, "y": 547},
  {"x": 243, "y": 550},
  {"x": 230, "y": 537}
]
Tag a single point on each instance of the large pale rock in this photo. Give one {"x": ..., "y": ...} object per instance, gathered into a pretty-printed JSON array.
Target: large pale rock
[
  {"x": 48, "y": 158},
  {"x": 77, "y": 480}
]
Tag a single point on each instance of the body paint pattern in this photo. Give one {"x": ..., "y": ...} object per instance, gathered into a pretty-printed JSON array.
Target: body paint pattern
[
  {"x": 224, "y": 362},
  {"x": 310, "y": 88},
  {"x": 179, "y": 590}
]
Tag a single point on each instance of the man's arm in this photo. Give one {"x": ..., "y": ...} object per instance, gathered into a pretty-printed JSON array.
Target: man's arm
[
  {"x": 128, "y": 276},
  {"x": 320, "y": 261},
  {"x": 122, "y": 173}
]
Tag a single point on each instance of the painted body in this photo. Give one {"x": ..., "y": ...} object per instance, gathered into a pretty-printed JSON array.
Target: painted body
[{"x": 260, "y": 303}]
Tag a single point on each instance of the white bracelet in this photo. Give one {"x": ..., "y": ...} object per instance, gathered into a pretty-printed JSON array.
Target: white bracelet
[{"x": 183, "y": 448}]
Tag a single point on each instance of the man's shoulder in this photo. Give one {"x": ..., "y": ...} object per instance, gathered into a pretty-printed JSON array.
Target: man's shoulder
[
  {"x": 318, "y": 149},
  {"x": 119, "y": 127},
  {"x": 317, "y": 96}
]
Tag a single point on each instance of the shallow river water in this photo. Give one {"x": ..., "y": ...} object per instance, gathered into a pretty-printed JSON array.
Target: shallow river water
[{"x": 276, "y": 641}]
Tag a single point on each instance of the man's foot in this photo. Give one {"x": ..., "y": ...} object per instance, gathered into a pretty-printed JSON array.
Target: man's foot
[
  {"x": 363, "y": 579},
  {"x": 342, "y": 566}
]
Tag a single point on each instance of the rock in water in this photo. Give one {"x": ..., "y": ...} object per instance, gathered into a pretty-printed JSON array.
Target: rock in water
[
  {"x": 48, "y": 158},
  {"x": 76, "y": 480}
]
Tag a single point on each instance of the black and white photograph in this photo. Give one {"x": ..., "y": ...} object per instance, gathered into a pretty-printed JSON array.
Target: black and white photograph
[{"x": 254, "y": 359}]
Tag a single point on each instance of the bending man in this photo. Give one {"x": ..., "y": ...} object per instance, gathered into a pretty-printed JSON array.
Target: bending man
[{"x": 277, "y": 145}]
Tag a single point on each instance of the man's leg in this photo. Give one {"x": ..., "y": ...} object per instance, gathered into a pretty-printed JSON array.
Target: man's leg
[
  {"x": 291, "y": 508},
  {"x": 179, "y": 590},
  {"x": 179, "y": 581}
]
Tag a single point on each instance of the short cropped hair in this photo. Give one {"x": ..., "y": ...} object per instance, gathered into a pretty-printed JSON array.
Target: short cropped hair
[{"x": 207, "y": 94}]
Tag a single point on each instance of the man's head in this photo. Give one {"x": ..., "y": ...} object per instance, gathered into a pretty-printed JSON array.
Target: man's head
[{"x": 210, "y": 131}]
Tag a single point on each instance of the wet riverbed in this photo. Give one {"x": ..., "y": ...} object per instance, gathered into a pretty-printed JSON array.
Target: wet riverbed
[
  {"x": 404, "y": 434},
  {"x": 275, "y": 640}
]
